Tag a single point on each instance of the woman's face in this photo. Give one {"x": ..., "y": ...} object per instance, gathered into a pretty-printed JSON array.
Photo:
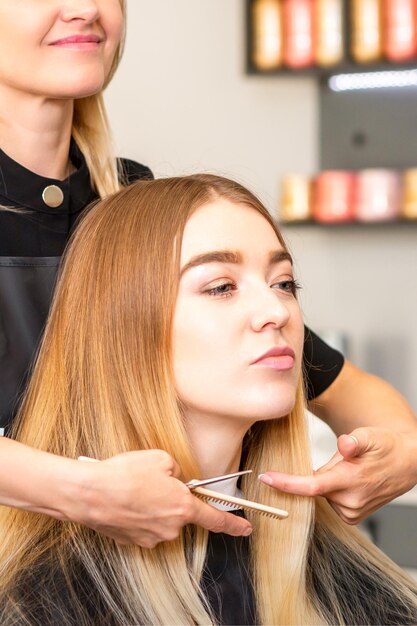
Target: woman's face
[
  {"x": 58, "y": 48},
  {"x": 238, "y": 330}
]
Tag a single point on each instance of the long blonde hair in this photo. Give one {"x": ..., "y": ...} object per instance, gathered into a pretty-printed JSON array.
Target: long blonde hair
[
  {"x": 102, "y": 385},
  {"x": 92, "y": 133}
]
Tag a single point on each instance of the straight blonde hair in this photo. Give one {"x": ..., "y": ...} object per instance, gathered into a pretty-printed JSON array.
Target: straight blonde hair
[
  {"x": 103, "y": 384},
  {"x": 92, "y": 133}
]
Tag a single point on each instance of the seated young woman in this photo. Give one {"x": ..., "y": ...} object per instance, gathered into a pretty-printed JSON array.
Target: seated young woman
[{"x": 176, "y": 326}]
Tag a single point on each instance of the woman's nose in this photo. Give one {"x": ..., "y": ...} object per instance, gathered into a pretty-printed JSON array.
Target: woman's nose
[
  {"x": 270, "y": 310},
  {"x": 84, "y": 10}
]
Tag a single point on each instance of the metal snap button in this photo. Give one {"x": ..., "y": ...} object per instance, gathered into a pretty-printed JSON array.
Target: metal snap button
[{"x": 53, "y": 196}]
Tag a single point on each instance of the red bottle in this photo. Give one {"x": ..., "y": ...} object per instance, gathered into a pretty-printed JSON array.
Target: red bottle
[
  {"x": 334, "y": 197},
  {"x": 298, "y": 33},
  {"x": 400, "y": 29}
]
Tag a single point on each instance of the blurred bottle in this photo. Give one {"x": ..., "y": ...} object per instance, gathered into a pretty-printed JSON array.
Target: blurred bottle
[
  {"x": 400, "y": 29},
  {"x": 267, "y": 34},
  {"x": 378, "y": 195},
  {"x": 298, "y": 33},
  {"x": 409, "y": 205},
  {"x": 334, "y": 196},
  {"x": 366, "y": 23},
  {"x": 296, "y": 195},
  {"x": 328, "y": 32}
]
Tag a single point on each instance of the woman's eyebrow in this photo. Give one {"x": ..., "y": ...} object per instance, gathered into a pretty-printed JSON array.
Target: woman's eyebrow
[
  {"x": 229, "y": 256},
  {"x": 217, "y": 256},
  {"x": 279, "y": 257}
]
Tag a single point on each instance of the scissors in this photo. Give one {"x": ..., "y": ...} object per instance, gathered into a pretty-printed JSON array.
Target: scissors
[
  {"x": 198, "y": 488},
  {"x": 192, "y": 484},
  {"x": 215, "y": 497}
]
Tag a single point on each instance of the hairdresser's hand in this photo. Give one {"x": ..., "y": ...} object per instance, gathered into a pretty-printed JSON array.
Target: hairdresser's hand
[
  {"x": 136, "y": 497},
  {"x": 371, "y": 467}
]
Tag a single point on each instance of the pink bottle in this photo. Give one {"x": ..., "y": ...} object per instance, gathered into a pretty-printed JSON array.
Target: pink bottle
[
  {"x": 334, "y": 197},
  {"x": 400, "y": 29},
  {"x": 378, "y": 195},
  {"x": 298, "y": 33}
]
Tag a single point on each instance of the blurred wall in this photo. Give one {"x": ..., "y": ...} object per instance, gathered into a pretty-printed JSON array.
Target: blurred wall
[{"x": 182, "y": 103}]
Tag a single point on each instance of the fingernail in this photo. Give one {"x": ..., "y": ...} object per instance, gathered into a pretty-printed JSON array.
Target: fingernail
[
  {"x": 264, "y": 478},
  {"x": 355, "y": 439},
  {"x": 247, "y": 532}
]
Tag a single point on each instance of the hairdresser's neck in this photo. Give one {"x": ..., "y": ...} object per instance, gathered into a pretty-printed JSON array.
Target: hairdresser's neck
[
  {"x": 36, "y": 132},
  {"x": 217, "y": 443}
]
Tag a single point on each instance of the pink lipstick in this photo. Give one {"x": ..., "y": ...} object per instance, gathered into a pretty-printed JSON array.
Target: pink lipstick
[{"x": 278, "y": 358}]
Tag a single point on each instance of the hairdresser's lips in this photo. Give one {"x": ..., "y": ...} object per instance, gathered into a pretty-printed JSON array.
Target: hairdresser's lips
[
  {"x": 78, "y": 42},
  {"x": 278, "y": 358}
]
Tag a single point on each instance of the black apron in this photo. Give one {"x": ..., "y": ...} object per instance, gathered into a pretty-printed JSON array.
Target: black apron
[
  {"x": 26, "y": 288},
  {"x": 32, "y": 240}
]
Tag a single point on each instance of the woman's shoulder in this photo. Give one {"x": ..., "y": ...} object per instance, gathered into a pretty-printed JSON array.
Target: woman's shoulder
[
  {"x": 130, "y": 171},
  {"x": 322, "y": 363}
]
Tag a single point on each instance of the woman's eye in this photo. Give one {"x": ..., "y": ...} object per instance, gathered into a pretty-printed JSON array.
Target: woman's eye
[
  {"x": 222, "y": 290},
  {"x": 289, "y": 286}
]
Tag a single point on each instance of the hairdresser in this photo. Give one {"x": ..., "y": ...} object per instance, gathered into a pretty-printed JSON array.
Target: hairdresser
[{"x": 55, "y": 158}]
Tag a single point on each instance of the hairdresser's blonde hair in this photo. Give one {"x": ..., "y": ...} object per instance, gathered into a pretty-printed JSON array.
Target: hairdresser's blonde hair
[
  {"x": 103, "y": 384},
  {"x": 92, "y": 133}
]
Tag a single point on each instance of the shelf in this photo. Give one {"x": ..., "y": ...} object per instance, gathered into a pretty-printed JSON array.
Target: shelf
[
  {"x": 359, "y": 127},
  {"x": 347, "y": 66},
  {"x": 401, "y": 223},
  {"x": 323, "y": 73}
]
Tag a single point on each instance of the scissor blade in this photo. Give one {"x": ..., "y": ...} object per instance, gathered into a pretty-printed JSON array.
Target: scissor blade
[{"x": 216, "y": 479}]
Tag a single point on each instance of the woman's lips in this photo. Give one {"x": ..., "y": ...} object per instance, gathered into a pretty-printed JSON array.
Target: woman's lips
[
  {"x": 81, "y": 42},
  {"x": 278, "y": 358}
]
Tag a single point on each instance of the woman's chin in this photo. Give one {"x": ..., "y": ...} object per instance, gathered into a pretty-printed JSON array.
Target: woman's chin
[
  {"x": 269, "y": 410},
  {"x": 78, "y": 87},
  {"x": 269, "y": 402}
]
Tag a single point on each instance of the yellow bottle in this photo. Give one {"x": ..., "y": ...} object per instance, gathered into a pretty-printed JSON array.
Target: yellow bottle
[
  {"x": 267, "y": 34},
  {"x": 366, "y": 43},
  {"x": 328, "y": 25},
  {"x": 409, "y": 207},
  {"x": 296, "y": 198}
]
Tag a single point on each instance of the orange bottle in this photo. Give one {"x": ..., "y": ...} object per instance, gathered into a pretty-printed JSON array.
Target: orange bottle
[
  {"x": 366, "y": 38},
  {"x": 400, "y": 29},
  {"x": 328, "y": 32},
  {"x": 267, "y": 34},
  {"x": 409, "y": 207},
  {"x": 298, "y": 33}
]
